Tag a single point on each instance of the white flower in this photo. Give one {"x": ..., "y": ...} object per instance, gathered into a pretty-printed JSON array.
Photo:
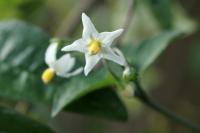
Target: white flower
[
  {"x": 61, "y": 67},
  {"x": 95, "y": 45}
]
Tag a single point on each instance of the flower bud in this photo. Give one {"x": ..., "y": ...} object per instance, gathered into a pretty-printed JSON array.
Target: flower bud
[{"x": 128, "y": 73}]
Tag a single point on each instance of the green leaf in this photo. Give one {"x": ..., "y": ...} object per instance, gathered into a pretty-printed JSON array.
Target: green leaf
[
  {"x": 147, "y": 52},
  {"x": 22, "y": 45},
  {"x": 101, "y": 103},
  {"x": 12, "y": 122},
  {"x": 78, "y": 87},
  {"x": 162, "y": 11},
  {"x": 22, "y": 48}
]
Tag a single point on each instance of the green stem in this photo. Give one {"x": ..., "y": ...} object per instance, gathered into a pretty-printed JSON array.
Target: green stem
[{"x": 142, "y": 96}]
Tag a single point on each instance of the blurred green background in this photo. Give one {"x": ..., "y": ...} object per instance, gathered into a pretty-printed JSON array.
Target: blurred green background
[{"x": 173, "y": 79}]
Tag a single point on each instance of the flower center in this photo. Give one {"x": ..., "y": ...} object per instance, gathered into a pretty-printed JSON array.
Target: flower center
[
  {"x": 94, "y": 47},
  {"x": 48, "y": 75}
]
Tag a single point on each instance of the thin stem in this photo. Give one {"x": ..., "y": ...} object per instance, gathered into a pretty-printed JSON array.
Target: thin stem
[
  {"x": 128, "y": 19},
  {"x": 142, "y": 96},
  {"x": 71, "y": 22}
]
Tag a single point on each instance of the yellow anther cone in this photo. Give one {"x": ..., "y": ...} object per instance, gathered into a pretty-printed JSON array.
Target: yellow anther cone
[
  {"x": 94, "y": 47},
  {"x": 48, "y": 75}
]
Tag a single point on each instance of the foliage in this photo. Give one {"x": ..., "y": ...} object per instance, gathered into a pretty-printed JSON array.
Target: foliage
[
  {"x": 12, "y": 122},
  {"x": 22, "y": 50}
]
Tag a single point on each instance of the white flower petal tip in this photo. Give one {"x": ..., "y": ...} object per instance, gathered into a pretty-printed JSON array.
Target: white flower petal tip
[
  {"x": 73, "y": 73},
  {"x": 120, "y": 31},
  {"x": 89, "y": 29},
  {"x": 86, "y": 71},
  {"x": 108, "y": 37},
  {"x": 78, "y": 45},
  {"x": 77, "y": 71},
  {"x": 69, "y": 48},
  {"x": 85, "y": 18},
  {"x": 65, "y": 48},
  {"x": 50, "y": 55},
  {"x": 117, "y": 33},
  {"x": 84, "y": 15},
  {"x": 91, "y": 61}
]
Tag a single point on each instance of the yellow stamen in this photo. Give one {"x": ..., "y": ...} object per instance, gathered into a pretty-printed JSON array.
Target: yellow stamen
[
  {"x": 94, "y": 47},
  {"x": 48, "y": 75}
]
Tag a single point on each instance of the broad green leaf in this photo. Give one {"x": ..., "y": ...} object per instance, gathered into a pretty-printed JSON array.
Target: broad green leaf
[
  {"x": 162, "y": 11},
  {"x": 13, "y": 122},
  {"x": 150, "y": 49},
  {"x": 22, "y": 48},
  {"x": 101, "y": 103},
  {"x": 78, "y": 87},
  {"x": 22, "y": 45}
]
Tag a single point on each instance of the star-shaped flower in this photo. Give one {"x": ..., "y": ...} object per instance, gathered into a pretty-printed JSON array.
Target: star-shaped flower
[
  {"x": 61, "y": 67},
  {"x": 95, "y": 45}
]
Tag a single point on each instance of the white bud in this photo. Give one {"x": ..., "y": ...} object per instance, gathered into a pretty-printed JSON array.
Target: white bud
[{"x": 128, "y": 73}]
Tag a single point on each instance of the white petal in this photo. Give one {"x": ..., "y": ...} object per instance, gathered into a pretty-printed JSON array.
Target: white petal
[
  {"x": 91, "y": 61},
  {"x": 64, "y": 64},
  {"x": 70, "y": 74},
  {"x": 88, "y": 27},
  {"x": 121, "y": 55},
  {"x": 109, "y": 54},
  {"x": 79, "y": 45},
  {"x": 108, "y": 37},
  {"x": 50, "y": 55}
]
